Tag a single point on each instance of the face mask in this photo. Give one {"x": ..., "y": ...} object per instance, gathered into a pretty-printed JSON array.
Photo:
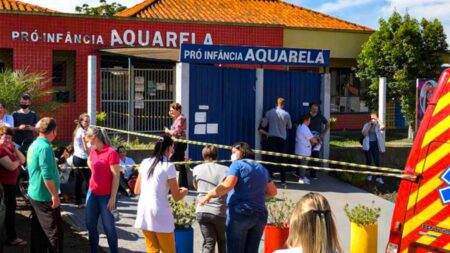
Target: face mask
[
  {"x": 88, "y": 145},
  {"x": 24, "y": 106},
  {"x": 234, "y": 157},
  {"x": 313, "y": 114}
]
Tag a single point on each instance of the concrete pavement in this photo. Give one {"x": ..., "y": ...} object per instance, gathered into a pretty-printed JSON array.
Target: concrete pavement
[{"x": 337, "y": 193}]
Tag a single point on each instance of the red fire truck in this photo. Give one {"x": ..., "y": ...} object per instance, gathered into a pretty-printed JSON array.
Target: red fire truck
[{"x": 421, "y": 219}]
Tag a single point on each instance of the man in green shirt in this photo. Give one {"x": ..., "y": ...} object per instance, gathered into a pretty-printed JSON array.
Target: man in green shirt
[{"x": 46, "y": 223}]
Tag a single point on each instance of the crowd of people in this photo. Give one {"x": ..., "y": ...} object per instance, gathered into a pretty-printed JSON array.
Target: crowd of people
[{"x": 231, "y": 207}]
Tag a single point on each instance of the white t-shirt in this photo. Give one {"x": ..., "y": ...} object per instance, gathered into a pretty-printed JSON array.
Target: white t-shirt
[
  {"x": 302, "y": 141},
  {"x": 154, "y": 213},
  {"x": 78, "y": 149}
]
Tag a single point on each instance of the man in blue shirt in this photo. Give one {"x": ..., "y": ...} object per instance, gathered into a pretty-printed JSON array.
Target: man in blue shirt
[{"x": 278, "y": 121}]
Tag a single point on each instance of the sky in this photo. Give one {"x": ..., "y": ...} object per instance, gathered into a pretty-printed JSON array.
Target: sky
[{"x": 363, "y": 12}]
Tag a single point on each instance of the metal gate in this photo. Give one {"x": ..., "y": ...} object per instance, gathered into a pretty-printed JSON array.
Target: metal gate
[{"x": 137, "y": 102}]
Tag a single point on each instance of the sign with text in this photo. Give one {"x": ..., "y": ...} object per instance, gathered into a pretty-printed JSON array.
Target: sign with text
[{"x": 214, "y": 54}]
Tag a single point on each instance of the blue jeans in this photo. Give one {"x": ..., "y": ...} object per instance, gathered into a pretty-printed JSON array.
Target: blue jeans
[
  {"x": 96, "y": 205},
  {"x": 245, "y": 227}
]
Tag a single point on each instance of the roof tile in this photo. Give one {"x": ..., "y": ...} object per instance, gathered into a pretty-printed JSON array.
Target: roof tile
[
  {"x": 270, "y": 12},
  {"x": 13, "y": 5}
]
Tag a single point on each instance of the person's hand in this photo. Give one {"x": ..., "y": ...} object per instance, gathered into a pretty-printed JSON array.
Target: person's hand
[
  {"x": 184, "y": 191},
  {"x": 204, "y": 200},
  {"x": 22, "y": 127},
  {"x": 55, "y": 202},
  {"x": 111, "y": 203},
  {"x": 166, "y": 130}
]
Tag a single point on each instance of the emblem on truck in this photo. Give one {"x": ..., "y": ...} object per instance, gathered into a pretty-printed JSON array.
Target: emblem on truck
[{"x": 444, "y": 193}]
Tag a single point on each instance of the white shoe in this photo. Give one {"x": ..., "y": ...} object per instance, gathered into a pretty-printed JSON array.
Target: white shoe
[
  {"x": 303, "y": 181},
  {"x": 379, "y": 180},
  {"x": 369, "y": 178}
]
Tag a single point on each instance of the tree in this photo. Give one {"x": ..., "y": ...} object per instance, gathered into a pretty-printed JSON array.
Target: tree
[
  {"x": 14, "y": 83},
  {"x": 402, "y": 50},
  {"x": 104, "y": 9}
]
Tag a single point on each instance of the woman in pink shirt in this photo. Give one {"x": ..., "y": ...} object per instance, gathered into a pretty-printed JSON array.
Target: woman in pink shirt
[{"x": 101, "y": 198}]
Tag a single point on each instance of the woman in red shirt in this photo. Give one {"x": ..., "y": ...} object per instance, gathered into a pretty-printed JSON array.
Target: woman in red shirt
[
  {"x": 101, "y": 197},
  {"x": 10, "y": 161}
]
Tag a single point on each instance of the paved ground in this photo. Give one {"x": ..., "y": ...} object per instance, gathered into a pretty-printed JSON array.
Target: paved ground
[{"x": 335, "y": 191}]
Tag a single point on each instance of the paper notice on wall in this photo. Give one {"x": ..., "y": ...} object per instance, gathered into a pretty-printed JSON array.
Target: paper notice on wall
[
  {"x": 305, "y": 103},
  {"x": 203, "y": 107},
  {"x": 139, "y": 84},
  {"x": 139, "y": 104},
  {"x": 138, "y": 96},
  {"x": 212, "y": 128},
  {"x": 200, "y": 117},
  {"x": 200, "y": 129},
  {"x": 160, "y": 86},
  {"x": 151, "y": 89}
]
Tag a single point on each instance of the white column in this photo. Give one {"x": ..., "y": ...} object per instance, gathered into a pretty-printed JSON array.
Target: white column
[
  {"x": 259, "y": 103},
  {"x": 182, "y": 89},
  {"x": 325, "y": 96},
  {"x": 92, "y": 88},
  {"x": 382, "y": 102}
]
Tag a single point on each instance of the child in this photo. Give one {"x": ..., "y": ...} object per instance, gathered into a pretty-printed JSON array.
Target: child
[{"x": 312, "y": 227}]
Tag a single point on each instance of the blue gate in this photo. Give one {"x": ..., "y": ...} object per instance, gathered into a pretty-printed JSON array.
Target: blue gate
[
  {"x": 221, "y": 99},
  {"x": 297, "y": 88}
]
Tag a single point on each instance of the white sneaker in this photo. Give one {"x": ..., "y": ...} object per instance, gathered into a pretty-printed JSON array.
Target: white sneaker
[
  {"x": 379, "y": 180},
  {"x": 369, "y": 178},
  {"x": 303, "y": 181}
]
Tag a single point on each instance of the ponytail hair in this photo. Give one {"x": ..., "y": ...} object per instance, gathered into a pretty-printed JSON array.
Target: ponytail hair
[
  {"x": 98, "y": 133},
  {"x": 160, "y": 149}
]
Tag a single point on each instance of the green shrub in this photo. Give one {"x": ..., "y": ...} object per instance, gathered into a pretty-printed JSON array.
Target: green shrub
[
  {"x": 279, "y": 211},
  {"x": 362, "y": 215},
  {"x": 183, "y": 213},
  {"x": 101, "y": 118}
]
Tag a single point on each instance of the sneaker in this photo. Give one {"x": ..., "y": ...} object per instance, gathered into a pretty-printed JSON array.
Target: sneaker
[
  {"x": 369, "y": 178},
  {"x": 303, "y": 181},
  {"x": 379, "y": 180}
]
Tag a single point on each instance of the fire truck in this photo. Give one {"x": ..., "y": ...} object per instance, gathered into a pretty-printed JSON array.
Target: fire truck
[{"x": 421, "y": 218}]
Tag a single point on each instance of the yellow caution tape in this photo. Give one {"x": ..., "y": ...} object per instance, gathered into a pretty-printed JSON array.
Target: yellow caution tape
[
  {"x": 263, "y": 152},
  {"x": 142, "y": 116}
]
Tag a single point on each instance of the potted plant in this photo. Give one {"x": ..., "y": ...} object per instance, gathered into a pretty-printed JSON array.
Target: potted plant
[
  {"x": 276, "y": 231},
  {"x": 184, "y": 215},
  {"x": 364, "y": 228}
]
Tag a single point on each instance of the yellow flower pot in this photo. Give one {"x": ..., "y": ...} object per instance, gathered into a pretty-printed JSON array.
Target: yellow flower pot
[{"x": 364, "y": 239}]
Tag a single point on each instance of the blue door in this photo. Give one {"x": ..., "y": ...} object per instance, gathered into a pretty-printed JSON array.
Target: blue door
[
  {"x": 222, "y": 107},
  {"x": 297, "y": 88}
]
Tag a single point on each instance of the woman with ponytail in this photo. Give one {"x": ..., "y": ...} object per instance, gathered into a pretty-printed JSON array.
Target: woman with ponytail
[
  {"x": 156, "y": 177},
  {"x": 312, "y": 228},
  {"x": 101, "y": 197},
  {"x": 80, "y": 156}
]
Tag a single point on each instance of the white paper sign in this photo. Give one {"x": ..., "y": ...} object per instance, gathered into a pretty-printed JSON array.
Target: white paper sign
[
  {"x": 200, "y": 117},
  {"x": 200, "y": 129},
  {"x": 139, "y": 83},
  {"x": 139, "y": 104},
  {"x": 160, "y": 86},
  {"x": 138, "y": 96},
  {"x": 305, "y": 103},
  {"x": 203, "y": 107},
  {"x": 212, "y": 128}
]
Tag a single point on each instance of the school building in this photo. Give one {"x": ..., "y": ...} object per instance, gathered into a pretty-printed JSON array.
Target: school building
[{"x": 136, "y": 57}]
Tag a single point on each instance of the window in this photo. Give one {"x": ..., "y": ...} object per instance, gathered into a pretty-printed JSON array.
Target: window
[
  {"x": 6, "y": 59},
  {"x": 347, "y": 91},
  {"x": 63, "y": 75}
]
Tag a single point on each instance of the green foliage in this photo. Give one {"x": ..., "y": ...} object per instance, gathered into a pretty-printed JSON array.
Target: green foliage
[
  {"x": 104, "y": 9},
  {"x": 279, "y": 211},
  {"x": 116, "y": 141},
  {"x": 183, "y": 213},
  {"x": 14, "y": 83},
  {"x": 101, "y": 118},
  {"x": 402, "y": 50},
  {"x": 362, "y": 215}
]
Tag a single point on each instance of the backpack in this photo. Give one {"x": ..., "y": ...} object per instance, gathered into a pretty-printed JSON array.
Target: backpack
[{"x": 361, "y": 139}]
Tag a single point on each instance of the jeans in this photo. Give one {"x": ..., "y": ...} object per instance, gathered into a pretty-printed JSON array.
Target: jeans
[
  {"x": 302, "y": 171},
  {"x": 10, "y": 212},
  {"x": 277, "y": 144},
  {"x": 81, "y": 175},
  {"x": 213, "y": 230},
  {"x": 96, "y": 205},
  {"x": 374, "y": 153},
  {"x": 245, "y": 227},
  {"x": 46, "y": 228},
  {"x": 178, "y": 156}
]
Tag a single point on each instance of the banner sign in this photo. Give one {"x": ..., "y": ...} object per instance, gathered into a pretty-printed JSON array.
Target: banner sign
[
  {"x": 214, "y": 54},
  {"x": 423, "y": 94}
]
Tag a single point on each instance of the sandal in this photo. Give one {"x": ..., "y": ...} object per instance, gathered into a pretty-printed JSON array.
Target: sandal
[{"x": 18, "y": 242}]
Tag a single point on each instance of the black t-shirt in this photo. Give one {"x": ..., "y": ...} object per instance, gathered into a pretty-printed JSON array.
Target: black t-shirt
[
  {"x": 317, "y": 123},
  {"x": 27, "y": 119}
]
